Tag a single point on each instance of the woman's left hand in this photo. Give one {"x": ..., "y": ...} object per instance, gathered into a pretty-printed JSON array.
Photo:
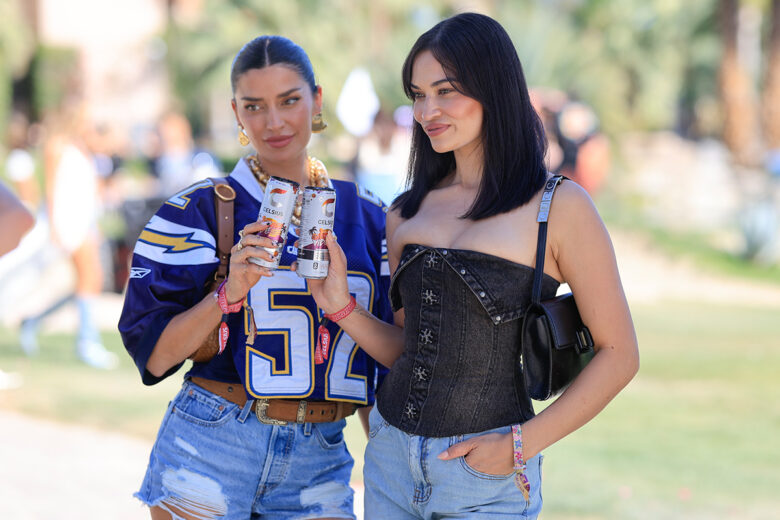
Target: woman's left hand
[
  {"x": 332, "y": 292},
  {"x": 491, "y": 453}
]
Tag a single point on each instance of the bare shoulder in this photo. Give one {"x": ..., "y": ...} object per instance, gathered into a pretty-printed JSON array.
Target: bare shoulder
[
  {"x": 571, "y": 201},
  {"x": 393, "y": 220},
  {"x": 574, "y": 221}
]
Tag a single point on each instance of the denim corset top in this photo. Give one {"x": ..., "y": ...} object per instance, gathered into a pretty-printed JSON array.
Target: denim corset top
[{"x": 458, "y": 373}]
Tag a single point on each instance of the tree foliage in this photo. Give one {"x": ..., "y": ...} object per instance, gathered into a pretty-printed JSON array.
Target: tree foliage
[
  {"x": 16, "y": 49},
  {"x": 639, "y": 62}
]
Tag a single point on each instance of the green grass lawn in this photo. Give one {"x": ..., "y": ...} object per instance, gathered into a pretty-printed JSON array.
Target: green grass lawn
[{"x": 692, "y": 437}]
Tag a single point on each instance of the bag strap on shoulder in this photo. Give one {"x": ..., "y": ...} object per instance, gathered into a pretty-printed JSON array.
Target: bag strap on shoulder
[
  {"x": 223, "y": 206},
  {"x": 541, "y": 241}
]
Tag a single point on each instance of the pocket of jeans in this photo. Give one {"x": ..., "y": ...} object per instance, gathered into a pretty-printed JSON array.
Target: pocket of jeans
[
  {"x": 203, "y": 408},
  {"x": 475, "y": 472},
  {"x": 330, "y": 435},
  {"x": 376, "y": 423}
]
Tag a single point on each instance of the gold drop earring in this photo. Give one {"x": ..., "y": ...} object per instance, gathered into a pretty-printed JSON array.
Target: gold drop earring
[
  {"x": 317, "y": 124},
  {"x": 243, "y": 139}
]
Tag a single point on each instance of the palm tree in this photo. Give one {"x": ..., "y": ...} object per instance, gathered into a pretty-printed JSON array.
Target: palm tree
[
  {"x": 740, "y": 118},
  {"x": 771, "y": 97}
]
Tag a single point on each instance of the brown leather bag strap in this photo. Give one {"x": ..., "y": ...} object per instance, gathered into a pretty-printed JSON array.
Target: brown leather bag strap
[{"x": 223, "y": 205}]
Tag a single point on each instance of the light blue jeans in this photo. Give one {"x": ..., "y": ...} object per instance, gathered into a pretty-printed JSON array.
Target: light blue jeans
[
  {"x": 217, "y": 460},
  {"x": 404, "y": 479}
]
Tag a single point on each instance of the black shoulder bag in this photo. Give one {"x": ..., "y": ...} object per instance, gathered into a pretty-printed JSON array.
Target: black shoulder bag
[{"x": 554, "y": 344}]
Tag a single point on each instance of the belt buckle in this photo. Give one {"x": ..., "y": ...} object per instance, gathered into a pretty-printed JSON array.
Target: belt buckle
[
  {"x": 261, "y": 405},
  {"x": 300, "y": 417}
]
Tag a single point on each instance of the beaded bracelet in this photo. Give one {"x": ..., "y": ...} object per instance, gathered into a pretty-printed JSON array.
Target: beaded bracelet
[{"x": 521, "y": 480}]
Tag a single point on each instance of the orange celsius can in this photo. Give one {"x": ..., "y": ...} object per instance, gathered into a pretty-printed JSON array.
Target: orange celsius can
[{"x": 277, "y": 210}]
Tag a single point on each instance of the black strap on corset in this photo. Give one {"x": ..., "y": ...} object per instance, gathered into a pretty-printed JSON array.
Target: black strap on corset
[{"x": 541, "y": 241}]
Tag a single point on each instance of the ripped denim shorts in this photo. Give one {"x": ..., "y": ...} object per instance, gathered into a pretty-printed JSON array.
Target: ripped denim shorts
[{"x": 214, "y": 459}]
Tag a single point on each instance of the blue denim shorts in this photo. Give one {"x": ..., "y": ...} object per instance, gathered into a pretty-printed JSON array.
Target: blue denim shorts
[
  {"x": 404, "y": 479},
  {"x": 217, "y": 460}
]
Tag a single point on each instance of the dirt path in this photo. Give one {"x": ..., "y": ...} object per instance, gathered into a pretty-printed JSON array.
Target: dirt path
[
  {"x": 649, "y": 276},
  {"x": 54, "y": 471}
]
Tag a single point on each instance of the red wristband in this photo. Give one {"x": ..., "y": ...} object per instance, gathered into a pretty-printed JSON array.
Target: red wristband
[
  {"x": 224, "y": 331},
  {"x": 322, "y": 348},
  {"x": 343, "y": 313}
]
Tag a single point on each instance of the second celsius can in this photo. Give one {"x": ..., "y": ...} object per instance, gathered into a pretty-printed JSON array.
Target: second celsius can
[
  {"x": 276, "y": 210},
  {"x": 317, "y": 216}
]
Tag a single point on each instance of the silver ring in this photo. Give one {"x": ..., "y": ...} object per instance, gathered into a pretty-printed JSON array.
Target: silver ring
[{"x": 239, "y": 246}]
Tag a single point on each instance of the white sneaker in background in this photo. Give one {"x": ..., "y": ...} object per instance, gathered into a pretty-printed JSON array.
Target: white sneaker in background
[
  {"x": 10, "y": 380},
  {"x": 95, "y": 355}
]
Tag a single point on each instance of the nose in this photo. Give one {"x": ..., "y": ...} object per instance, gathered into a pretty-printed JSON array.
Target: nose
[
  {"x": 426, "y": 109},
  {"x": 274, "y": 120}
]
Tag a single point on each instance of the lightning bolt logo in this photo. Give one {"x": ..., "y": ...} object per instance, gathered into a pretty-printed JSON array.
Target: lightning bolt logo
[{"x": 172, "y": 243}]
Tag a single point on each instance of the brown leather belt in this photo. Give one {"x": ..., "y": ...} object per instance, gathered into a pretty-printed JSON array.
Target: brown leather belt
[{"x": 279, "y": 411}]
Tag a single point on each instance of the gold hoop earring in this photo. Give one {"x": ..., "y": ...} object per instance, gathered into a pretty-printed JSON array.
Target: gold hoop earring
[
  {"x": 317, "y": 124},
  {"x": 243, "y": 139}
]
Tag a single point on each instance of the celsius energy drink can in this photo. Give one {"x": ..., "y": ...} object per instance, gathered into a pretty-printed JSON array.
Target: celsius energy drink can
[
  {"x": 276, "y": 209},
  {"x": 317, "y": 214}
]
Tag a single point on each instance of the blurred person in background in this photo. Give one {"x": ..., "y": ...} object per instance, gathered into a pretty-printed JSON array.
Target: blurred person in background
[
  {"x": 454, "y": 433},
  {"x": 383, "y": 156},
  {"x": 73, "y": 206},
  {"x": 256, "y": 430},
  {"x": 20, "y": 163},
  {"x": 179, "y": 162},
  {"x": 585, "y": 149},
  {"x": 576, "y": 147},
  {"x": 15, "y": 221}
]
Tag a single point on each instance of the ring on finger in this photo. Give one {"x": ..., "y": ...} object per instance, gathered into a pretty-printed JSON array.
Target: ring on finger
[{"x": 239, "y": 246}]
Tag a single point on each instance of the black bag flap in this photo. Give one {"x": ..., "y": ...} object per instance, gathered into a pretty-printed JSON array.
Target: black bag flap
[{"x": 565, "y": 323}]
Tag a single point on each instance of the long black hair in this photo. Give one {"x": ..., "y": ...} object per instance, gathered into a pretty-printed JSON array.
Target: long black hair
[
  {"x": 480, "y": 60},
  {"x": 265, "y": 51}
]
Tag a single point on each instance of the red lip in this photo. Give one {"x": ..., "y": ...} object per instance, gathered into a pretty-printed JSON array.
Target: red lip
[
  {"x": 279, "y": 141},
  {"x": 435, "y": 129}
]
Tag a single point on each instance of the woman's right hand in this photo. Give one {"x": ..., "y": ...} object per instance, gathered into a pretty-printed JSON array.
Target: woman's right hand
[
  {"x": 243, "y": 273},
  {"x": 332, "y": 292}
]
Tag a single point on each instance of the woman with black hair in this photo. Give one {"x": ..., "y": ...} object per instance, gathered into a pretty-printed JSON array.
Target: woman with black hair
[
  {"x": 256, "y": 430},
  {"x": 454, "y": 433}
]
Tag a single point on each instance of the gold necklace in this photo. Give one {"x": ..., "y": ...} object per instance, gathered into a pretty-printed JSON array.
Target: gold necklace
[{"x": 318, "y": 176}]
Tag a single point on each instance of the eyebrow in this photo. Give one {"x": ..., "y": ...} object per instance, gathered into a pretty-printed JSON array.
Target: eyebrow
[
  {"x": 283, "y": 94},
  {"x": 435, "y": 83}
]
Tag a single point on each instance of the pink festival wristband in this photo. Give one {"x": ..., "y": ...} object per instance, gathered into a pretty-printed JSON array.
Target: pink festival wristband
[
  {"x": 521, "y": 480},
  {"x": 221, "y": 297}
]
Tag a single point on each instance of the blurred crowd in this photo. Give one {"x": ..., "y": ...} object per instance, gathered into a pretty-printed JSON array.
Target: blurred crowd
[
  {"x": 89, "y": 209},
  {"x": 92, "y": 189}
]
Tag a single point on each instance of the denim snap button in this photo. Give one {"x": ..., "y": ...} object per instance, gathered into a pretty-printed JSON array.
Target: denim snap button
[
  {"x": 429, "y": 297},
  {"x": 420, "y": 373}
]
